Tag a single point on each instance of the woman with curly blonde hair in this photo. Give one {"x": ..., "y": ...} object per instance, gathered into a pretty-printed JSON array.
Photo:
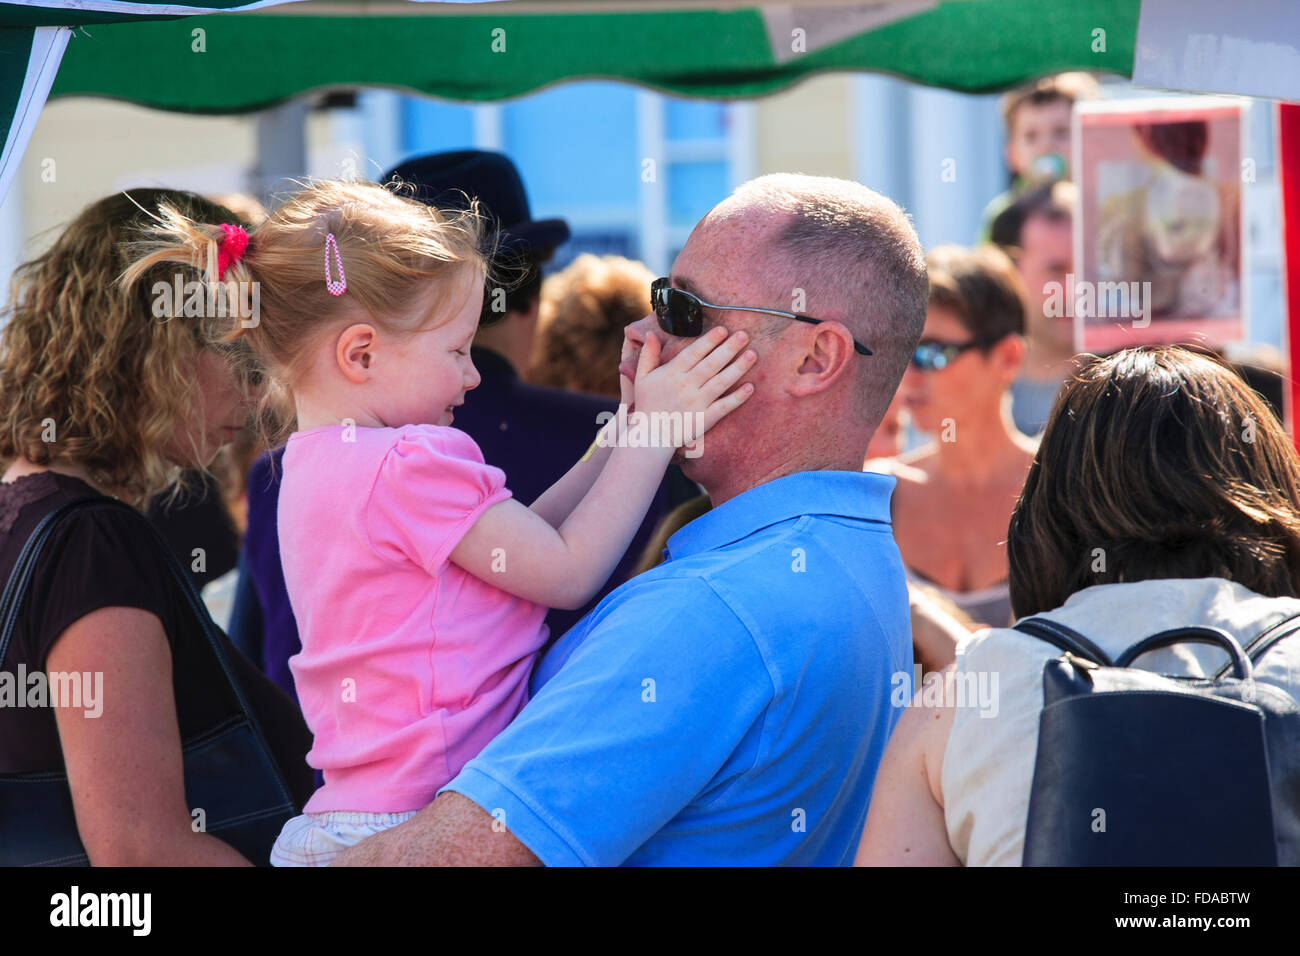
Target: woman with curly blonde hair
[
  {"x": 584, "y": 309},
  {"x": 109, "y": 393}
]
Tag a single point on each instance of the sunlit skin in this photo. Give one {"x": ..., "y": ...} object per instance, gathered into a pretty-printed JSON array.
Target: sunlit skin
[
  {"x": 382, "y": 379},
  {"x": 954, "y": 496},
  {"x": 972, "y": 385},
  {"x": 905, "y": 822},
  {"x": 1038, "y": 131},
  {"x": 796, "y": 360}
]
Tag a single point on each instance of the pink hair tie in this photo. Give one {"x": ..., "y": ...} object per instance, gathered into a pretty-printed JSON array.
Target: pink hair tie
[
  {"x": 234, "y": 240},
  {"x": 339, "y": 286}
]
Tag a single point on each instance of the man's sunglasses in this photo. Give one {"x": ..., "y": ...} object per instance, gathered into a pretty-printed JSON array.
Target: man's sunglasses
[
  {"x": 931, "y": 356},
  {"x": 682, "y": 314}
]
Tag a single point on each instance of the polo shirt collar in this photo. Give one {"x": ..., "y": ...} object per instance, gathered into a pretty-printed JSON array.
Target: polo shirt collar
[{"x": 848, "y": 494}]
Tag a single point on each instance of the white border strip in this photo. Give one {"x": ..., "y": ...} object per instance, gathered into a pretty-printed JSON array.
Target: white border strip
[{"x": 48, "y": 44}]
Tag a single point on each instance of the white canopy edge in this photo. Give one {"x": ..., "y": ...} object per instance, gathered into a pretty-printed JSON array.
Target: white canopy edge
[{"x": 48, "y": 44}]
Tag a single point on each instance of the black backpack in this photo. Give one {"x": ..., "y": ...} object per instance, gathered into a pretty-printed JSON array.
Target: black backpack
[{"x": 1139, "y": 769}]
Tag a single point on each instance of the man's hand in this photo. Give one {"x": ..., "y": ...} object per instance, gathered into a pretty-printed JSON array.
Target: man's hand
[{"x": 451, "y": 831}]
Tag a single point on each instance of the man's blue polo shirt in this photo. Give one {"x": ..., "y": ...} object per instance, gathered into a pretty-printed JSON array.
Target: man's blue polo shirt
[{"x": 728, "y": 707}]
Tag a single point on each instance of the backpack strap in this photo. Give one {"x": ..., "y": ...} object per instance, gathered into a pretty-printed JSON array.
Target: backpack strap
[
  {"x": 1065, "y": 638},
  {"x": 1264, "y": 642},
  {"x": 1214, "y": 636}
]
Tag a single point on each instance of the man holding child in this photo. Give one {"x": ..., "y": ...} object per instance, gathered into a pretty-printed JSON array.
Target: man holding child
[{"x": 730, "y": 706}]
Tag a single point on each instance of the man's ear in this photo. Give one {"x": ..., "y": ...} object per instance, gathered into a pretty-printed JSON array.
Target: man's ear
[
  {"x": 826, "y": 357},
  {"x": 354, "y": 352}
]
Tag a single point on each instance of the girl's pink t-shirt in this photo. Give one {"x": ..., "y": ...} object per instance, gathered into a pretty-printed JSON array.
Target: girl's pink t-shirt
[{"x": 409, "y": 664}]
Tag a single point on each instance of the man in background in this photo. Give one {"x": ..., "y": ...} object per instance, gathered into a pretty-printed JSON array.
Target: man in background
[{"x": 1037, "y": 231}]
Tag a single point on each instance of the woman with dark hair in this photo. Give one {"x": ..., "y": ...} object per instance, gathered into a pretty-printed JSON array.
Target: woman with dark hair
[
  {"x": 107, "y": 394},
  {"x": 954, "y": 495},
  {"x": 1164, "y": 494}
]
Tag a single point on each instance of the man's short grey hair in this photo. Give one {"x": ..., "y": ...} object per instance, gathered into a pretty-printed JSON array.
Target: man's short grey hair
[{"x": 857, "y": 259}]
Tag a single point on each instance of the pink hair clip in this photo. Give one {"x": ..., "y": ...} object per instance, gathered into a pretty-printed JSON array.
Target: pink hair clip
[
  {"x": 234, "y": 240},
  {"x": 339, "y": 286}
]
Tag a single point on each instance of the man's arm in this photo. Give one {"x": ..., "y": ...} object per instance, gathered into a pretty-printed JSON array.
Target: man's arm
[
  {"x": 653, "y": 683},
  {"x": 451, "y": 831}
]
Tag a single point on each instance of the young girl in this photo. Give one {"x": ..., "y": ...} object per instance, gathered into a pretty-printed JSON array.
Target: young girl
[{"x": 418, "y": 584}]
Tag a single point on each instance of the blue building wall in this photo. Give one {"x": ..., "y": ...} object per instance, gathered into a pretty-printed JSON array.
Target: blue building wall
[{"x": 578, "y": 148}]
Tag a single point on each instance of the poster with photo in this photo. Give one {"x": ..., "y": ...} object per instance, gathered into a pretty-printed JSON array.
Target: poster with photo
[{"x": 1159, "y": 237}]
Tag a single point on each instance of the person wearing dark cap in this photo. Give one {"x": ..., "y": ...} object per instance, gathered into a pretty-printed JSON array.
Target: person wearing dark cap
[
  {"x": 522, "y": 246},
  {"x": 532, "y": 433}
]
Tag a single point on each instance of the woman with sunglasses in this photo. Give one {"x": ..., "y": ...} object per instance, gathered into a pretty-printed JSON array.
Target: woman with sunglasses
[{"x": 954, "y": 495}]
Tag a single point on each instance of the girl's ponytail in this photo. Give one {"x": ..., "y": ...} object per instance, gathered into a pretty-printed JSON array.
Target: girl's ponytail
[{"x": 218, "y": 254}]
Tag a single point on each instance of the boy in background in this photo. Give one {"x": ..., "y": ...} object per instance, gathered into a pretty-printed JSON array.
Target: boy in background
[{"x": 1038, "y": 125}]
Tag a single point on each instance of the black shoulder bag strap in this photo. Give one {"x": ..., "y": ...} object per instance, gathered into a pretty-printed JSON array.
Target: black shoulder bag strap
[
  {"x": 21, "y": 576},
  {"x": 20, "y": 581},
  {"x": 1065, "y": 638}
]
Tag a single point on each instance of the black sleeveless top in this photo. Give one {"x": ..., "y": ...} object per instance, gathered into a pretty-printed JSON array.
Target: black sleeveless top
[{"x": 101, "y": 558}]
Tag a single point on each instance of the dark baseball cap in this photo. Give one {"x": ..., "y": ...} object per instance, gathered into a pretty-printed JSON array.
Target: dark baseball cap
[{"x": 450, "y": 180}]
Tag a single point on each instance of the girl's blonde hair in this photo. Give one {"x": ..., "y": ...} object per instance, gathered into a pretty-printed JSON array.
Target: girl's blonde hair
[
  {"x": 401, "y": 259},
  {"x": 88, "y": 375}
]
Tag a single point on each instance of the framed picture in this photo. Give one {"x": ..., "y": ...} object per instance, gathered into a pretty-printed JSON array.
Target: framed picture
[{"x": 1159, "y": 238}]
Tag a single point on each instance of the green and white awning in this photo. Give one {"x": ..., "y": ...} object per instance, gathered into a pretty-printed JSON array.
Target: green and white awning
[
  {"x": 224, "y": 56},
  {"x": 266, "y": 52}
]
